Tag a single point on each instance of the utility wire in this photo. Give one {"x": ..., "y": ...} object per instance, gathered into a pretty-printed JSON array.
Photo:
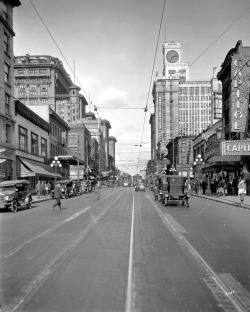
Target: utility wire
[{"x": 59, "y": 48}]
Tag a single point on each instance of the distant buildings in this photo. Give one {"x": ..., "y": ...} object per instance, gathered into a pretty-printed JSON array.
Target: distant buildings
[
  {"x": 182, "y": 109},
  {"x": 47, "y": 120},
  {"x": 42, "y": 80}
]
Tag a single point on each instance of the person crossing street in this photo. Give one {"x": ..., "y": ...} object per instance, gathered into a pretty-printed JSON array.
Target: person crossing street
[{"x": 57, "y": 197}]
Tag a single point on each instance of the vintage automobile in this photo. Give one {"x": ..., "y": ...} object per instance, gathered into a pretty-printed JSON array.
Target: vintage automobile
[
  {"x": 15, "y": 194},
  {"x": 77, "y": 186},
  {"x": 67, "y": 188},
  {"x": 177, "y": 190},
  {"x": 140, "y": 187}
]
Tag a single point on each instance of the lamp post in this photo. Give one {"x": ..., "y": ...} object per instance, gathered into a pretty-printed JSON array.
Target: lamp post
[
  {"x": 199, "y": 161},
  {"x": 56, "y": 163}
]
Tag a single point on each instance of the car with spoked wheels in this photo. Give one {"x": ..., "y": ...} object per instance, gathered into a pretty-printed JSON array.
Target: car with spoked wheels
[{"x": 15, "y": 194}]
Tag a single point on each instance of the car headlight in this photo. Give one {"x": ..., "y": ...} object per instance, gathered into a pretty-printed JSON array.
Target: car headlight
[{"x": 6, "y": 197}]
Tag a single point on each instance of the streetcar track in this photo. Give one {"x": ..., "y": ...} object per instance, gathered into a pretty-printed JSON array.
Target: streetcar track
[
  {"x": 225, "y": 296},
  {"x": 39, "y": 280},
  {"x": 21, "y": 246}
]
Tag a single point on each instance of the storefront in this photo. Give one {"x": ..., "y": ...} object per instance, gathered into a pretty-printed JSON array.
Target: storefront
[
  {"x": 7, "y": 164},
  {"x": 34, "y": 171}
]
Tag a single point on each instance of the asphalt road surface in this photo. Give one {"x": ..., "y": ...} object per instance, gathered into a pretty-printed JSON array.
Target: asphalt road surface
[{"x": 125, "y": 252}]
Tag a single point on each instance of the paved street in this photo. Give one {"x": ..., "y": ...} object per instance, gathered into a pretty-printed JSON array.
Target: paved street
[{"x": 126, "y": 252}]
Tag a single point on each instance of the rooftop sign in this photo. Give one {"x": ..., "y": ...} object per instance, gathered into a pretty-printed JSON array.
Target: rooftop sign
[{"x": 240, "y": 147}]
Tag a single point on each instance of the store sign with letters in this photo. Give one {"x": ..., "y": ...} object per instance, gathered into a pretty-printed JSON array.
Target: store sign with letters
[
  {"x": 239, "y": 95},
  {"x": 241, "y": 147}
]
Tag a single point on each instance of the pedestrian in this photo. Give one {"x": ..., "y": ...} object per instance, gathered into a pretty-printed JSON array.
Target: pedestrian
[
  {"x": 242, "y": 189},
  {"x": 57, "y": 196},
  {"x": 204, "y": 186},
  {"x": 38, "y": 189},
  {"x": 48, "y": 188},
  {"x": 42, "y": 188}
]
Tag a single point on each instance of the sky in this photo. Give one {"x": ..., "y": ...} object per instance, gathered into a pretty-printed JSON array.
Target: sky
[{"x": 113, "y": 46}]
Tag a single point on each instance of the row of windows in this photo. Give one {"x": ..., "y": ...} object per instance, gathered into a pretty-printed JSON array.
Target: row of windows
[
  {"x": 55, "y": 150},
  {"x": 195, "y": 98},
  {"x": 195, "y": 90},
  {"x": 40, "y": 71},
  {"x": 33, "y": 93},
  {"x": 23, "y": 142},
  {"x": 35, "y": 101}
]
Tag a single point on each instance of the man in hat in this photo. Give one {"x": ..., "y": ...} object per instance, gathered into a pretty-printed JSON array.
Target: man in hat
[{"x": 57, "y": 196}]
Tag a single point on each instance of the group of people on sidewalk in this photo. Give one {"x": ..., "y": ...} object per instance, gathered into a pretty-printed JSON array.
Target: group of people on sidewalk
[
  {"x": 219, "y": 187},
  {"x": 43, "y": 188}
]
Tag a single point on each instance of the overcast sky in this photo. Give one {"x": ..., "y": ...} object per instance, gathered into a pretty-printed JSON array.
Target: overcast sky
[{"x": 113, "y": 43}]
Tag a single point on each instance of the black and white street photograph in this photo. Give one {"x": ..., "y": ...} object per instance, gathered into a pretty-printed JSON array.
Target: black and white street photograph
[{"x": 124, "y": 156}]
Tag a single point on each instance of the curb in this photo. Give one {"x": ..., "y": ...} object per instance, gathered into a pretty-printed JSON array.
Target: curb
[
  {"x": 41, "y": 200},
  {"x": 235, "y": 204}
]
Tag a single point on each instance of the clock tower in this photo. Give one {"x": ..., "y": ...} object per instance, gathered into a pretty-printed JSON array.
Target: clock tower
[{"x": 172, "y": 66}]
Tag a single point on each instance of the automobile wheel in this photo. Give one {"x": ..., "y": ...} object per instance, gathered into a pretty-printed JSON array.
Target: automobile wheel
[
  {"x": 13, "y": 206},
  {"x": 29, "y": 203}
]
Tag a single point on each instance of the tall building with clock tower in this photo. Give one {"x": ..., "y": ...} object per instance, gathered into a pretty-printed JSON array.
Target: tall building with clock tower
[
  {"x": 182, "y": 107},
  {"x": 173, "y": 68}
]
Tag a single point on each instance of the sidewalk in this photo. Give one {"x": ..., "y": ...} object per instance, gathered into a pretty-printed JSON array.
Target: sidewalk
[
  {"x": 227, "y": 199},
  {"x": 43, "y": 198}
]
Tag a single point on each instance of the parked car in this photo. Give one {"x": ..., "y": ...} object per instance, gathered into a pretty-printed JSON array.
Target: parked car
[
  {"x": 77, "y": 186},
  {"x": 140, "y": 187},
  {"x": 67, "y": 188},
  {"x": 15, "y": 194}
]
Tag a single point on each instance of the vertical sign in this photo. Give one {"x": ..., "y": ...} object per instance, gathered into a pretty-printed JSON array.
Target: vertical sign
[
  {"x": 239, "y": 103},
  {"x": 160, "y": 117}
]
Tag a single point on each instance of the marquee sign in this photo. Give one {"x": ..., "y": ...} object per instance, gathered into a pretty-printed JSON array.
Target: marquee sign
[
  {"x": 241, "y": 147},
  {"x": 240, "y": 94}
]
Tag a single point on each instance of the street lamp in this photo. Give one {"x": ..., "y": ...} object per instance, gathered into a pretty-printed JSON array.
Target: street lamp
[
  {"x": 56, "y": 163},
  {"x": 199, "y": 161}
]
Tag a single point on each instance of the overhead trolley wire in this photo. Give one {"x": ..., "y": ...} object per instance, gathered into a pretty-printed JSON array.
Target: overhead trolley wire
[
  {"x": 59, "y": 49},
  {"x": 146, "y": 107}
]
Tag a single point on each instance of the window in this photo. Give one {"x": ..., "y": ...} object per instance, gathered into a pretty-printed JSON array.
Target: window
[
  {"x": 7, "y": 103},
  {"x": 23, "y": 139},
  {"x": 21, "y": 71},
  {"x": 6, "y": 42},
  {"x": 34, "y": 143},
  {"x": 32, "y": 71},
  {"x": 22, "y": 90},
  {"x": 43, "y": 71},
  {"x": 8, "y": 133},
  {"x": 33, "y": 87},
  {"x": 33, "y": 101},
  {"x": 5, "y": 11},
  {"x": 6, "y": 72},
  {"x": 44, "y": 101},
  {"x": 43, "y": 147}
]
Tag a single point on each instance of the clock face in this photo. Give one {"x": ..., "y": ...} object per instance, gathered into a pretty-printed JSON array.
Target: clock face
[{"x": 172, "y": 56}]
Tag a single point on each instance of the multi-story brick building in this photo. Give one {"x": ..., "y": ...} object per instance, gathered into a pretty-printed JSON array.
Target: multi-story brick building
[
  {"x": 7, "y": 107},
  {"x": 42, "y": 80},
  {"x": 32, "y": 150}
]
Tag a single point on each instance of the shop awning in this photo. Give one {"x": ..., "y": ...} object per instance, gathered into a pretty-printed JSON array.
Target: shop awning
[
  {"x": 217, "y": 162},
  {"x": 31, "y": 168},
  {"x": 224, "y": 159}
]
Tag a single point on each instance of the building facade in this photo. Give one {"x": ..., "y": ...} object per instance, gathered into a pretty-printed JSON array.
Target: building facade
[
  {"x": 182, "y": 107},
  {"x": 42, "y": 80},
  {"x": 7, "y": 105},
  {"x": 32, "y": 150}
]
